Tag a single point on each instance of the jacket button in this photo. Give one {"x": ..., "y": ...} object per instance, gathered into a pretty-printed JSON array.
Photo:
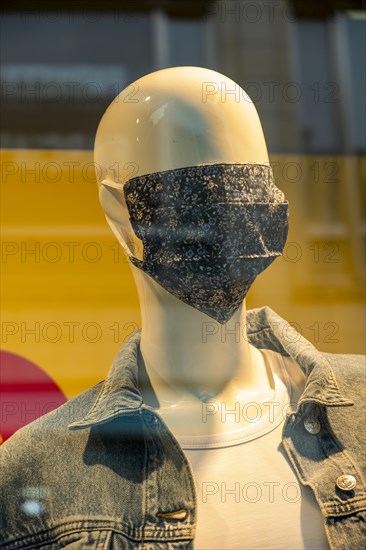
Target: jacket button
[
  {"x": 151, "y": 419},
  {"x": 312, "y": 426},
  {"x": 346, "y": 482}
]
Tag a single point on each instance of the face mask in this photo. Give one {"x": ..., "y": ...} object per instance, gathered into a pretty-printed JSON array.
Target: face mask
[{"x": 208, "y": 231}]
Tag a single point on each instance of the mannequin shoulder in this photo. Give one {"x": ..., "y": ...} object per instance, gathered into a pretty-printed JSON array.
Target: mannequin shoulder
[
  {"x": 347, "y": 365},
  {"x": 47, "y": 433},
  {"x": 350, "y": 375}
]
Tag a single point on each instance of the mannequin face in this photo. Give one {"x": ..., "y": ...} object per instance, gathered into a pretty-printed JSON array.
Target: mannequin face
[{"x": 207, "y": 231}]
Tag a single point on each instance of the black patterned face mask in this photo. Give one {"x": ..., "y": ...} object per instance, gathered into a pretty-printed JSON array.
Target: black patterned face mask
[{"x": 208, "y": 231}]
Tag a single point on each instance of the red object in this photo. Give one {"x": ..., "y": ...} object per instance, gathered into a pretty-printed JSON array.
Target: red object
[{"x": 26, "y": 393}]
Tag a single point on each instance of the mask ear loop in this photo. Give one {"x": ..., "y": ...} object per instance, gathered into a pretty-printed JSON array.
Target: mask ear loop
[
  {"x": 120, "y": 233},
  {"x": 135, "y": 261}
]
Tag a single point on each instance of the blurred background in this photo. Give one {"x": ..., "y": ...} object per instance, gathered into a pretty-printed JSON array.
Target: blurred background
[{"x": 68, "y": 298}]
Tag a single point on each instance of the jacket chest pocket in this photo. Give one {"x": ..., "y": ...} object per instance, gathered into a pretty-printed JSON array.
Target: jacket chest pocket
[
  {"x": 117, "y": 541},
  {"x": 108, "y": 540},
  {"x": 80, "y": 540}
]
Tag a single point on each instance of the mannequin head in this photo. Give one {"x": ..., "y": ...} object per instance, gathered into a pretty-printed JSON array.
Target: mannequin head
[
  {"x": 172, "y": 118},
  {"x": 183, "y": 165}
]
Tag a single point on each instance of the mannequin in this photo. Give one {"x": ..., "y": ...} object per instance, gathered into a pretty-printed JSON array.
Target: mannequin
[
  {"x": 178, "y": 117},
  {"x": 198, "y": 374},
  {"x": 156, "y": 455}
]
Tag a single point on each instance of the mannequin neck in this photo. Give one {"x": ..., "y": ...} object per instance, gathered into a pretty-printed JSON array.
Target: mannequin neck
[{"x": 187, "y": 358}]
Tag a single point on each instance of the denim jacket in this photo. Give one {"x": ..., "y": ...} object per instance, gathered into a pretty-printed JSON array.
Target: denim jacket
[{"x": 103, "y": 471}]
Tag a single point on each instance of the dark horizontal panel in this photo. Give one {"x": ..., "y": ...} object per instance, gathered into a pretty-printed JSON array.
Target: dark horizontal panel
[
  {"x": 56, "y": 118},
  {"x": 315, "y": 9},
  {"x": 178, "y": 8}
]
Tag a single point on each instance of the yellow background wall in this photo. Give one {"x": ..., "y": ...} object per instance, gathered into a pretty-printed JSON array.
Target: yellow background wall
[{"x": 75, "y": 290}]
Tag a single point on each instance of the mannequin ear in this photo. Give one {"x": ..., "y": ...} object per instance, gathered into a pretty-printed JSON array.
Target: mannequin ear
[{"x": 112, "y": 201}]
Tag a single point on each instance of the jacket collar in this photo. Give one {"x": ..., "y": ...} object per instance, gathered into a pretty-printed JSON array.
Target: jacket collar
[{"x": 265, "y": 329}]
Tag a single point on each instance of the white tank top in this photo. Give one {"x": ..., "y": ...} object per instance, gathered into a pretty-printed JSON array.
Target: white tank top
[{"x": 248, "y": 496}]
